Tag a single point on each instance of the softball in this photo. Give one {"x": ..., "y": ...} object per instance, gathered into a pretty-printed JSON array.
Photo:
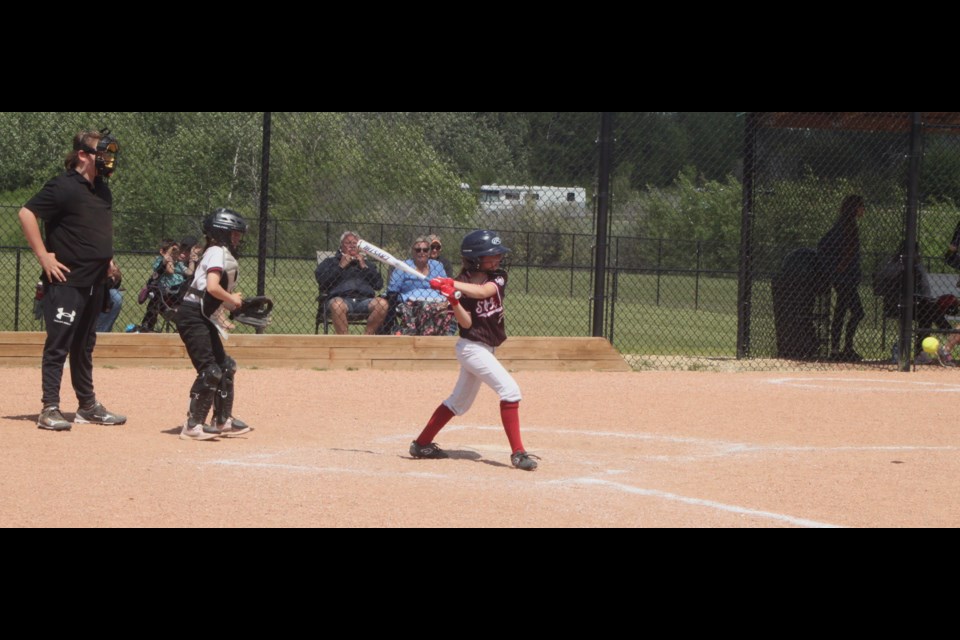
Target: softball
[{"x": 930, "y": 345}]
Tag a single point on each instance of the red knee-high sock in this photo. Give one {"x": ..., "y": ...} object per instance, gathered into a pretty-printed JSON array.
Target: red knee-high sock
[
  {"x": 510, "y": 416},
  {"x": 438, "y": 421}
]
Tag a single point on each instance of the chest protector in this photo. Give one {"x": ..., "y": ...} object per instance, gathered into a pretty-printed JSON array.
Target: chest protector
[{"x": 228, "y": 280}]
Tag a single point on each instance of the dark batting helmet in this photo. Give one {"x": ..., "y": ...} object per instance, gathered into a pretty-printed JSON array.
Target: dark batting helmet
[
  {"x": 480, "y": 243},
  {"x": 220, "y": 226}
]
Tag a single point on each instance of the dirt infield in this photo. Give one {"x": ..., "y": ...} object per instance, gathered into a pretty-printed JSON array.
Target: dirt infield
[{"x": 675, "y": 449}]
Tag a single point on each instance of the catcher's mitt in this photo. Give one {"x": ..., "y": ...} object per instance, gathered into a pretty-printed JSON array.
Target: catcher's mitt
[{"x": 254, "y": 311}]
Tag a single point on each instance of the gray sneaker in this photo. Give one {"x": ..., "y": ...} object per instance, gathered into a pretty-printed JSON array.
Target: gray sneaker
[
  {"x": 524, "y": 461},
  {"x": 234, "y": 427},
  {"x": 198, "y": 431},
  {"x": 52, "y": 420},
  {"x": 98, "y": 414}
]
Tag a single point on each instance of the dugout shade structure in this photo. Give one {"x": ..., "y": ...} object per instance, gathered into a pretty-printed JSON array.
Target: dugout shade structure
[{"x": 797, "y": 169}]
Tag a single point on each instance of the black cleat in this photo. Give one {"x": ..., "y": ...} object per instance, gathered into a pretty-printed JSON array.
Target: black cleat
[
  {"x": 431, "y": 450},
  {"x": 524, "y": 461}
]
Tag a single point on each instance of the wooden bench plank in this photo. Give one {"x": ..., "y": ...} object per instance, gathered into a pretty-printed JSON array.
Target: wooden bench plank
[
  {"x": 22, "y": 338},
  {"x": 393, "y": 353}
]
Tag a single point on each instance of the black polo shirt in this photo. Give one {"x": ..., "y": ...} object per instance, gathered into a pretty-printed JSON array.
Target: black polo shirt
[{"x": 78, "y": 224}]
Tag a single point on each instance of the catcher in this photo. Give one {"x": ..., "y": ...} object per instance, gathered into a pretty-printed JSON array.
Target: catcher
[{"x": 199, "y": 323}]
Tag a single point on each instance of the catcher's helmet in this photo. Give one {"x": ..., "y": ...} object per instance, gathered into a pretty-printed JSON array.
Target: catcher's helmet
[
  {"x": 221, "y": 224},
  {"x": 480, "y": 243}
]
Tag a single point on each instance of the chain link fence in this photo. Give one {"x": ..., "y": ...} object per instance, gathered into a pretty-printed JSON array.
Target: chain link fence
[
  {"x": 710, "y": 221},
  {"x": 802, "y": 177},
  {"x": 802, "y": 168}
]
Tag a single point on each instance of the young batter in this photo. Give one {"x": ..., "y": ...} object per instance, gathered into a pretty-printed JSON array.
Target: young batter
[{"x": 479, "y": 313}]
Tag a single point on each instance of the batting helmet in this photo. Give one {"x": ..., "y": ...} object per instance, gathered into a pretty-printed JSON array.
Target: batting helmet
[
  {"x": 480, "y": 243},
  {"x": 221, "y": 224}
]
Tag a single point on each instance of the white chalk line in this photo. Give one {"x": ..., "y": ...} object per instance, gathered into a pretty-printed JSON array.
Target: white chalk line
[
  {"x": 697, "y": 502},
  {"x": 590, "y": 482},
  {"x": 866, "y": 385},
  {"x": 721, "y": 447},
  {"x": 303, "y": 468}
]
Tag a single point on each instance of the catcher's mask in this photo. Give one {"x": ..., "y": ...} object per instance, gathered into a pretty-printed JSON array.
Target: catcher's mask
[
  {"x": 220, "y": 226},
  {"x": 107, "y": 151},
  {"x": 480, "y": 243}
]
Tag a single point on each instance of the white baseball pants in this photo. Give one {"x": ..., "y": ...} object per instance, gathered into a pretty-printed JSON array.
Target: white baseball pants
[{"x": 479, "y": 365}]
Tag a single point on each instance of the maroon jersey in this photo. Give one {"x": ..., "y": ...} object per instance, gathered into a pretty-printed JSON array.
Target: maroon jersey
[{"x": 488, "y": 326}]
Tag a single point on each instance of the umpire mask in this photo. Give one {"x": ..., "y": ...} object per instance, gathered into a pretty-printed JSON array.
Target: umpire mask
[{"x": 107, "y": 151}]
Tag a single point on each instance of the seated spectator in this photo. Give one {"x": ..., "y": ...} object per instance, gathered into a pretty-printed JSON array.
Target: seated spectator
[
  {"x": 929, "y": 312},
  {"x": 351, "y": 284},
  {"x": 932, "y": 312},
  {"x": 436, "y": 247},
  {"x": 423, "y": 311},
  {"x": 113, "y": 300},
  {"x": 190, "y": 254},
  {"x": 164, "y": 284}
]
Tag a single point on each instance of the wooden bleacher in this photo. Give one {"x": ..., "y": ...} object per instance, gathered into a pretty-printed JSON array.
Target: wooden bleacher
[{"x": 23, "y": 349}]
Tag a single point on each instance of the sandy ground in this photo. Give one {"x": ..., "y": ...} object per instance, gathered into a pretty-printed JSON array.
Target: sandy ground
[{"x": 649, "y": 449}]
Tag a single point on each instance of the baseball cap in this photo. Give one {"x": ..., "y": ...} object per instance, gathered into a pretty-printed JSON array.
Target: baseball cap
[{"x": 434, "y": 239}]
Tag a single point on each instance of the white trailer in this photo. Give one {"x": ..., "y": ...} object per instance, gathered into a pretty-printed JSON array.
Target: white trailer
[{"x": 496, "y": 198}]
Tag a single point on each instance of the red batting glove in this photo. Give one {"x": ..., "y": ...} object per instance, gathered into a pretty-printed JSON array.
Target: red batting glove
[
  {"x": 453, "y": 296},
  {"x": 438, "y": 284}
]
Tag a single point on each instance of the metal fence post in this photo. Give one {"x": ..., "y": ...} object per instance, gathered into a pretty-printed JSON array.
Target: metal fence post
[
  {"x": 910, "y": 235},
  {"x": 276, "y": 244},
  {"x": 264, "y": 207},
  {"x": 573, "y": 259},
  {"x": 603, "y": 219},
  {"x": 613, "y": 302},
  {"x": 526, "y": 271},
  {"x": 696, "y": 286},
  {"x": 659, "y": 266},
  {"x": 745, "y": 279},
  {"x": 16, "y": 296}
]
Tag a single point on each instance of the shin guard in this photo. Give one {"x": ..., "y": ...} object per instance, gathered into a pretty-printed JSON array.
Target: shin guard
[
  {"x": 223, "y": 401},
  {"x": 203, "y": 391}
]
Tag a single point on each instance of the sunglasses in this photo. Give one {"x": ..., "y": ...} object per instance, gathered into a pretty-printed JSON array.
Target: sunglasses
[{"x": 421, "y": 250}]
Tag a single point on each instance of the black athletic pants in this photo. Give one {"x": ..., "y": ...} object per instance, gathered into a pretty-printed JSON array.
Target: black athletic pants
[
  {"x": 848, "y": 301},
  {"x": 70, "y": 314},
  {"x": 200, "y": 337}
]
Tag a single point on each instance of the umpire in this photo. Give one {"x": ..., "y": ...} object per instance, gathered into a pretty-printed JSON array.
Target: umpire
[{"x": 77, "y": 211}]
